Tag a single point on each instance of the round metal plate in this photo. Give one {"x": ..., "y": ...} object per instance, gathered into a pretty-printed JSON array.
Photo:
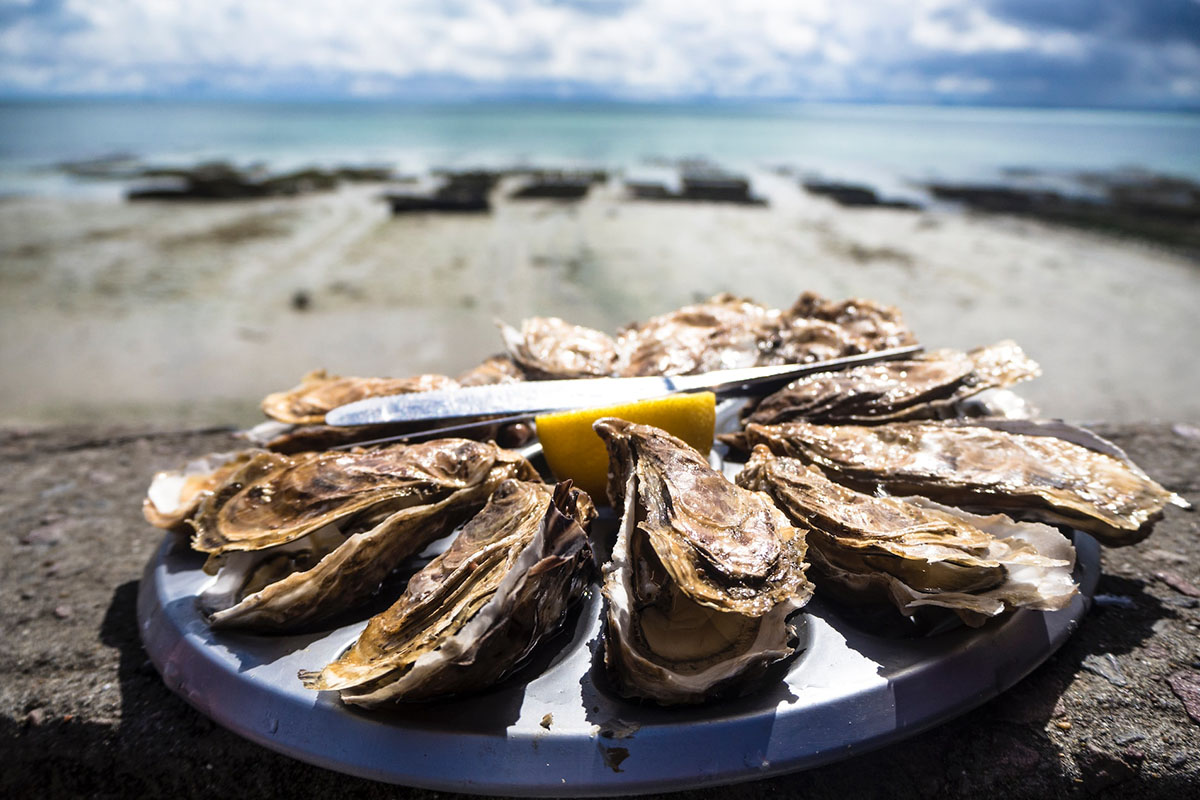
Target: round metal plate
[{"x": 554, "y": 728}]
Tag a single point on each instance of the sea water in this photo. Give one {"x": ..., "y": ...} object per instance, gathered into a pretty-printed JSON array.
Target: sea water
[{"x": 877, "y": 144}]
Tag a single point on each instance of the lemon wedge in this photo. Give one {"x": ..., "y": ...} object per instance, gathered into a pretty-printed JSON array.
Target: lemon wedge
[{"x": 573, "y": 450}]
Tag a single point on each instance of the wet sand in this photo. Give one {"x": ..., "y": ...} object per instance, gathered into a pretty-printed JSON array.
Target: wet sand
[{"x": 186, "y": 313}]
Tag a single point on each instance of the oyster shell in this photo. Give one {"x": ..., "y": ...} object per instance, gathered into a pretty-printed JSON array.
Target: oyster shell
[
  {"x": 174, "y": 495},
  {"x": 1040, "y": 477},
  {"x": 296, "y": 539},
  {"x": 319, "y": 393},
  {"x": 497, "y": 369},
  {"x": 703, "y": 574},
  {"x": 722, "y": 333},
  {"x": 476, "y": 611},
  {"x": 916, "y": 553},
  {"x": 548, "y": 347},
  {"x": 925, "y": 387},
  {"x": 865, "y": 325}
]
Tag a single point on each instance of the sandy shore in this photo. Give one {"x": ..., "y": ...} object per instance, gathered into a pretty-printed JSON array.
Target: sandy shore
[{"x": 184, "y": 313}]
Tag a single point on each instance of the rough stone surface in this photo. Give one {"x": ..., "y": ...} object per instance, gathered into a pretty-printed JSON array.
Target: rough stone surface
[
  {"x": 84, "y": 713},
  {"x": 1186, "y": 685}
]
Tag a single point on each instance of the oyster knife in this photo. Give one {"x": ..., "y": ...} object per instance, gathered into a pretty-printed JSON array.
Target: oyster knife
[{"x": 535, "y": 397}]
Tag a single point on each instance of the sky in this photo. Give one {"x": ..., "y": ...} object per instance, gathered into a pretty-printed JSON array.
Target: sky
[{"x": 1089, "y": 53}]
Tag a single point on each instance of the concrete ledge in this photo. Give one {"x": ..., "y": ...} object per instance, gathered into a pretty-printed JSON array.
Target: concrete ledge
[{"x": 82, "y": 712}]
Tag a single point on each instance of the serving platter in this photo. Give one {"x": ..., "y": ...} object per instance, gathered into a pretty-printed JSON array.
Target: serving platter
[{"x": 556, "y": 727}]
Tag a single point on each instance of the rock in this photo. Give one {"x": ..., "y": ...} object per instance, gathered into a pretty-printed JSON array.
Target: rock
[
  {"x": 1101, "y": 770},
  {"x": 1155, "y": 554},
  {"x": 1176, "y": 582},
  {"x": 301, "y": 300},
  {"x": 1106, "y": 667},
  {"x": 48, "y": 533},
  {"x": 36, "y": 717},
  {"x": 63, "y": 611},
  {"x": 1186, "y": 431},
  {"x": 1186, "y": 686}
]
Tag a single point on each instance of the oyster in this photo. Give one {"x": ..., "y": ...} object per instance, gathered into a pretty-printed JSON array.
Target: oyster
[
  {"x": 925, "y": 387},
  {"x": 722, "y": 333},
  {"x": 703, "y": 574},
  {"x": 866, "y": 324},
  {"x": 548, "y": 347},
  {"x": 296, "y": 539},
  {"x": 916, "y": 554},
  {"x": 1040, "y": 477},
  {"x": 476, "y": 611},
  {"x": 319, "y": 393},
  {"x": 174, "y": 495},
  {"x": 497, "y": 369}
]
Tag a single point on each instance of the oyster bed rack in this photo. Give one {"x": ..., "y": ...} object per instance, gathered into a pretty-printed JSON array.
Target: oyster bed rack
[{"x": 555, "y": 728}]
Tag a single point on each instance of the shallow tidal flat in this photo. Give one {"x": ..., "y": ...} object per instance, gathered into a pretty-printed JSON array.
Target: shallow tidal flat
[{"x": 188, "y": 313}]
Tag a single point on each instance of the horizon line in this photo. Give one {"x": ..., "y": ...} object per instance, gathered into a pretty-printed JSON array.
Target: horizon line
[{"x": 285, "y": 98}]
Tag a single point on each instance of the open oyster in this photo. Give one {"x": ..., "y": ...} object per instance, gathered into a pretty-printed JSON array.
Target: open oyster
[
  {"x": 1040, "y": 477},
  {"x": 174, "y": 495},
  {"x": 295, "y": 539},
  {"x": 927, "y": 386},
  {"x": 476, "y": 611},
  {"x": 870, "y": 549},
  {"x": 319, "y": 393},
  {"x": 703, "y": 575}
]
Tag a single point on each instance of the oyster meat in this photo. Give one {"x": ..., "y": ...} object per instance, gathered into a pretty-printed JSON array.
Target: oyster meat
[
  {"x": 320, "y": 393},
  {"x": 1040, "y": 477},
  {"x": 296, "y": 539},
  {"x": 927, "y": 386},
  {"x": 703, "y": 575},
  {"x": 870, "y": 549},
  {"x": 476, "y": 611}
]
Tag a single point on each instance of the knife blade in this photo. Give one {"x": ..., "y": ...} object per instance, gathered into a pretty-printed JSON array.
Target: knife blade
[{"x": 535, "y": 397}]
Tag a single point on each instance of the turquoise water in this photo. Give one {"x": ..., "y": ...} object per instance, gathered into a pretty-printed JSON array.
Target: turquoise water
[{"x": 879, "y": 143}]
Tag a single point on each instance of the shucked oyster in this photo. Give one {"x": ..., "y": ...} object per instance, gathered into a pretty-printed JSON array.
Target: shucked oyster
[
  {"x": 298, "y": 539},
  {"x": 174, "y": 495},
  {"x": 319, "y": 393},
  {"x": 887, "y": 549},
  {"x": 703, "y": 574},
  {"x": 925, "y": 387},
  {"x": 476, "y": 611},
  {"x": 1039, "y": 477}
]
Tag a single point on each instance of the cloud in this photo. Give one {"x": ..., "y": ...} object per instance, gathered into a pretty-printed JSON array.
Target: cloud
[{"x": 1107, "y": 52}]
